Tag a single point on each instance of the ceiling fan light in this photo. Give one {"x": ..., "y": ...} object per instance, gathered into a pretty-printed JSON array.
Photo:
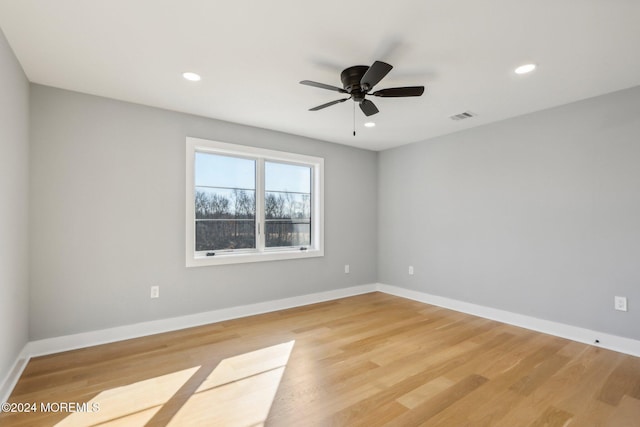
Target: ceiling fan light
[
  {"x": 526, "y": 68},
  {"x": 192, "y": 77},
  {"x": 369, "y": 124}
]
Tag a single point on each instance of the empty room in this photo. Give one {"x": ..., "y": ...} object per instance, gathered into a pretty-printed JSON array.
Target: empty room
[{"x": 285, "y": 213}]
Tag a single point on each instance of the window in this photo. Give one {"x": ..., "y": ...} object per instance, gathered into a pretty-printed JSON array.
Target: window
[
  {"x": 246, "y": 204},
  {"x": 287, "y": 205},
  {"x": 225, "y": 202}
]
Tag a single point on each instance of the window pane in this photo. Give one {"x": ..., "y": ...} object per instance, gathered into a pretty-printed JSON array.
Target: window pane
[
  {"x": 287, "y": 233},
  {"x": 292, "y": 206},
  {"x": 225, "y": 202},
  {"x": 225, "y": 234},
  {"x": 287, "y": 178},
  {"x": 224, "y": 171},
  {"x": 287, "y": 205}
]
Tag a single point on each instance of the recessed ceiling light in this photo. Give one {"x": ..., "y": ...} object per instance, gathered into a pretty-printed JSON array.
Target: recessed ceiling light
[
  {"x": 524, "y": 69},
  {"x": 369, "y": 124},
  {"x": 193, "y": 77}
]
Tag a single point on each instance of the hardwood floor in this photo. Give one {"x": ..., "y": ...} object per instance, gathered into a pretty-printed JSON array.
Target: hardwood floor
[{"x": 367, "y": 360}]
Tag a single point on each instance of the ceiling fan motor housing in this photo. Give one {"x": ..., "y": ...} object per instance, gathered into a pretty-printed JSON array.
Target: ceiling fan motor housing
[{"x": 351, "y": 78}]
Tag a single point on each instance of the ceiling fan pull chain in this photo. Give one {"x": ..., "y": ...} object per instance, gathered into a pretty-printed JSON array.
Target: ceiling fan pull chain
[{"x": 354, "y": 119}]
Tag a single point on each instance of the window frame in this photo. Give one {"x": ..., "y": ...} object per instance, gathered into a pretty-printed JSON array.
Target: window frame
[{"x": 260, "y": 253}]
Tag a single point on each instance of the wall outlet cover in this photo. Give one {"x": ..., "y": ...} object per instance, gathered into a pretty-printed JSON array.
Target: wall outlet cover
[{"x": 620, "y": 303}]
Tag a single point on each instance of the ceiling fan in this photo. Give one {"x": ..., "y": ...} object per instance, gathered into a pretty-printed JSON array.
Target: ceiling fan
[{"x": 358, "y": 81}]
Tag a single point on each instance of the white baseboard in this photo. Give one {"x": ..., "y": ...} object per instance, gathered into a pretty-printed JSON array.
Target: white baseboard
[
  {"x": 104, "y": 336},
  {"x": 574, "y": 333},
  {"x": 10, "y": 381}
]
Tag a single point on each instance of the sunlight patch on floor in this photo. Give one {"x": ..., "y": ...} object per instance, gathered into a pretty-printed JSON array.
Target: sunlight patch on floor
[
  {"x": 238, "y": 392},
  {"x": 133, "y": 404}
]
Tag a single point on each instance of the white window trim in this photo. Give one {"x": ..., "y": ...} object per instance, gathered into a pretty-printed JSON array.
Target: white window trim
[{"x": 316, "y": 249}]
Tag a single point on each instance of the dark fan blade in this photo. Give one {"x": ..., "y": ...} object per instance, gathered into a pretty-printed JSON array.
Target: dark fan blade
[
  {"x": 328, "y": 104},
  {"x": 322, "y": 86},
  {"x": 374, "y": 74},
  {"x": 368, "y": 108},
  {"x": 400, "y": 91}
]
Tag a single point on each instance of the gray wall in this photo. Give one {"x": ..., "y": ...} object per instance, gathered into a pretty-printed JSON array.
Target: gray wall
[
  {"x": 107, "y": 217},
  {"x": 14, "y": 188},
  {"x": 538, "y": 215}
]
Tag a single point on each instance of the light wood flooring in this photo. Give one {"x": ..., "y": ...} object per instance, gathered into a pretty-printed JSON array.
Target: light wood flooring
[{"x": 367, "y": 360}]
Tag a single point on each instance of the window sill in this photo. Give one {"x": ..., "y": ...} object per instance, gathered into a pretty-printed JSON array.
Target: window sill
[{"x": 241, "y": 258}]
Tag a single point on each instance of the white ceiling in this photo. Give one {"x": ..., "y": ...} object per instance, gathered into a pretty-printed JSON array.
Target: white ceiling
[{"x": 252, "y": 54}]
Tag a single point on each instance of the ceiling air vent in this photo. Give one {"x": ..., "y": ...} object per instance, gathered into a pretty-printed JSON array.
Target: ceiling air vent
[{"x": 462, "y": 116}]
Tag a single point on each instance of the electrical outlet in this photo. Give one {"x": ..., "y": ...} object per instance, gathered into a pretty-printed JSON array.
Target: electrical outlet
[
  {"x": 620, "y": 303},
  {"x": 346, "y": 269},
  {"x": 411, "y": 270},
  {"x": 155, "y": 292}
]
